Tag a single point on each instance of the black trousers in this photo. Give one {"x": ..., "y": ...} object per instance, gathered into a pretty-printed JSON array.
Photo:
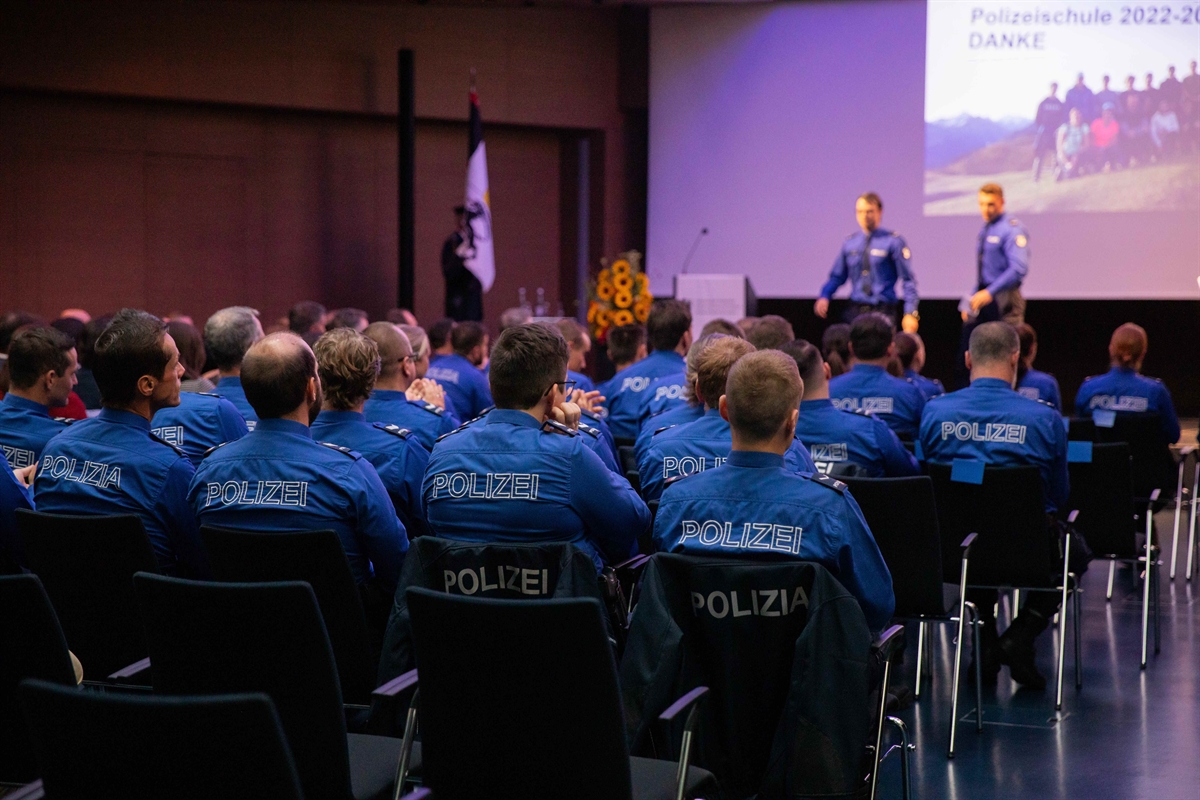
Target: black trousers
[
  {"x": 1008, "y": 306},
  {"x": 1045, "y": 604},
  {"x": 856, "y": 310}
]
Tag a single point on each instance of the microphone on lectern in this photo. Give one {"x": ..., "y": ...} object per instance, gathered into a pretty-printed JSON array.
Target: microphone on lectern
[{"x": 703, "y": 232}]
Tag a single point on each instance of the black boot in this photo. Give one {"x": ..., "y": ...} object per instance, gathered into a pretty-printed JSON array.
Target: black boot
[
  {"x": 988, "y": 653},
  {"x": 1017, "y": 651}
]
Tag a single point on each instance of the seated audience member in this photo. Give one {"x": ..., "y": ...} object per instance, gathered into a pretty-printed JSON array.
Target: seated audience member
[
  {"x": 87, "y": 388},
  {"x": 626, "y": 346},
  {"x": 113, "y": 464},
  {"x": 354, "y": 318},
  {"x": 306, "y": 319},
  {"x": 523, "y": 473},
  {"x": 868, "y": 386},
  {"x": 703, "y": 444},
  {"x": 460, "y": 374},
  {"x": 192, "y": 356},
  {"x": 843, "y": 442},
  {"x": 675, "y": 391},
  {"x": 746, "y": 324},
  {"x": 1124, "y": 389},
  {"x": 1164, "y": 129},
  {"x": 993, "y": 355},
  {"x": 10, "y": 323},
  {"x": 910, "y": 351},
  {"x": 439, "y": 339},
  {"x": 229, "y": 333},
  {"x": 579, "y": 345},
  {"x": 199, "y": 423},
  {"x": 1105, "y": 131},
  {"x": 424, "y": 388},
  {"x": 13, "y": 495},
  {"x": 668, "y": 331},
  {"x": 693, "y": 407},
  {"x": 835, "y": 347},
  {"x": 41, "y": 368},
  {"x": 754, "y": 491},
  {"x": 389, "y": 402},
  {"x": 401, "y": 316},
  {"x": 348, "y": 364},
  {"x": 1032, "y": 383},
  {"x": 1073, "y": 140},
  {"x": 73, "y": 327},
  {"x": 277, "y": 478},
  {"x": 770, "y": 333}
]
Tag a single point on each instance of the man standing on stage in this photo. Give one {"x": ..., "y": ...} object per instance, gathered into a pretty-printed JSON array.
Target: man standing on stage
[
  {"x": 872, "y": 260},
  {"x": 464, "y": 292}
]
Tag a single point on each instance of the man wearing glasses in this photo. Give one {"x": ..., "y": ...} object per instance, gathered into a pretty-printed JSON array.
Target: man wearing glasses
[
  {"x": 525, "y": 472},
  {"x": 390, "y": 402}
]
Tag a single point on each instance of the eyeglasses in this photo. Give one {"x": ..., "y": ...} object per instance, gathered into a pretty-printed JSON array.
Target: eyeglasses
[{"x": 567, "y": 386}]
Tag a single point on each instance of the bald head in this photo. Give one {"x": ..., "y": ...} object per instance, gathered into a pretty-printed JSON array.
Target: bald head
[
  {"x": 397, "y": 370},
  {"x": 276, "y": 375}
]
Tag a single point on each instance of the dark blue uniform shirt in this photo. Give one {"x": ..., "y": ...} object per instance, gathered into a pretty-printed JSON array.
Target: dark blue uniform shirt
[
  {"x": 464, "y": 383},
  {"x": 12, "y": 496},
  {"x": 679, "y": 415},
  {"x": 199, "y": 423},
  {"x": 627, "y": 390},
  {"x": 395, "y": 452},
  {"x": 25, "y": 427},
  {"x": 665, "y": 393},
  {"x": 1038, "y": 385},
  {"x": 505, "y": 479},
  {"x": 754, "y": 505},
  {"x": 113, "y": 464},
  {"x": 1128, "y": 392},
  {"x": 873, "y": 263},
  {"x": 581, "y": 381},
  {"x": 834, "y": 437},
  {"x": 870, "y": 388},
  {"x": 930, "y": 387},
  {"x": 990, "y": 422},
  {"x": 425, "y": 420},
  {"x": 1002, "y": 259},
  {"x": 231, "y": 389},
  {"x": 698, "y": 446},
  {"x": 278, "y": 479}
]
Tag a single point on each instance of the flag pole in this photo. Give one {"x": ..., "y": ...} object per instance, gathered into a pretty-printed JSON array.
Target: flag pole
[{"x": 406, "y": 130}]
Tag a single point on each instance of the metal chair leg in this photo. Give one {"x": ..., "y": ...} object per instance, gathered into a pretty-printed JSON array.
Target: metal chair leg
[
  {"x": 1178, "y": 508},
  {"x": 958, "y": 644},
  {"x": 1146, "y": 583},
  {"x": 976, "y": 624},
  {"x": 905, "y": 781},
  {"x": 1112, "y": 570},
  {"x": 920, "y": 656},
  {"x": 1016, "y": 603},
  {"x": 1078, "y": 614},
  {"x": 1062, "y": 623},
  {"x": 1157, "y": 624},
  {"x": 1192, "y": 525},
  {"x": 883, "y": 687}
]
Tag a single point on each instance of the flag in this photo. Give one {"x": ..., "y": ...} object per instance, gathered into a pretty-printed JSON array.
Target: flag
[{"x": 476, "y": 249}]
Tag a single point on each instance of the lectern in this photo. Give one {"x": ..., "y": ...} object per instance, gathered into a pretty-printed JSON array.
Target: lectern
[{"x": 711, "y": 296}]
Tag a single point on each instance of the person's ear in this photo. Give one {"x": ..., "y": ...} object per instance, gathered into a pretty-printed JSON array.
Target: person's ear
[
  {"x": 891, "y": 351},
  {"x": 723, "y": 406},
  {"x": 793, "y": 421},
  {"x": 850, "y": 347},
  {"x": 967, "y": 359},
  {"x": 310, "y": 391},
  {"x": 827, "y": 370},
  {"x": 146, "y": 385}
]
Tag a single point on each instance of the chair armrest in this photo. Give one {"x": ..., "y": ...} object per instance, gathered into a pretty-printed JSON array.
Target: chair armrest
[
  {"x": 131, "y": 670},
  {"x": 396, "y": 685},
  {"x": 419, "y": 794},
  {"x": 966, "y": 544},
  {"x": 684, "y": 703},
  {"x": 30, "y": 791},
  {"x": 1074, "y": 515},
  {"x": 1155, "y": 501},
  {"x": 889, "y": 641},
  {"x": 635, "y": 563}
]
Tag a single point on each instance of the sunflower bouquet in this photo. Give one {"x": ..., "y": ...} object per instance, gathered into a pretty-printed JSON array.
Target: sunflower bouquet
[{"x": 620, "y": 295}]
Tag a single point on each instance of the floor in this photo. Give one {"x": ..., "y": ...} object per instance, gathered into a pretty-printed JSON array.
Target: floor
[{"x": 1128, "y": 733}]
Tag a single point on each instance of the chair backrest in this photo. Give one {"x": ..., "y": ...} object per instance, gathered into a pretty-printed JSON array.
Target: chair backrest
[
  {"x": 317, "y": 558},
  {"x": 229, "y": 638},
  {"x": 1008, "y": 511},
  {"x": 1081, "y": 429},
  {"x": 518, "y": 699},
  {"x": 1153, "y": 466},
  {"x": 628, "y": 458},
  {"x": 31, "y": 646},
  {"x": 902, "y": 515},
  {"x": 92, "y": 744},
  {"x": 87, "y": 564},
  {"x": 1102, "y": 492}
]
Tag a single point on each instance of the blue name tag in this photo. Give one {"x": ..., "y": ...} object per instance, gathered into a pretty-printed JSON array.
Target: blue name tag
[
  {"x": 964, "y": 470},
  {"x": 1079, "y": 452},
  {"x": 1104, "y": 418}
]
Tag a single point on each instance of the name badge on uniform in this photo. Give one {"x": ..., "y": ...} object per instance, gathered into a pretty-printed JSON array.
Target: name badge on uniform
[
  {"x": 877, "y": 252},
  {"x": 993, "y": 239}
]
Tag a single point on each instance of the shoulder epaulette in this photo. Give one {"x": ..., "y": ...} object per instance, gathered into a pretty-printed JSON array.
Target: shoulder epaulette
[
  {"x": 677, "y": 478},
  {"x": 664, "y": 428},
  {"x": 862, "y": 412},
  {"x": 208, "y": 394},
  {"x": 1043, "y": 402},
  {"x": 550, "y": 426},
  {"x": 213, "y": 449},
  {"x": 589, "y": 430},
  {"x": 459, "y": 429},
  {"x": 1014, "y": 221},
  {"x": 851, "y": 236},
  {"x": 938, "y": 397},
  {"x": 394, "y": 430},
  {"x": 826, "y": 481},
  {"x": 66, "y": 420},
  {"x": 344, "y": 450},
  {"x": 425, "y": 405},
  {"x": 163, "y": 441}
]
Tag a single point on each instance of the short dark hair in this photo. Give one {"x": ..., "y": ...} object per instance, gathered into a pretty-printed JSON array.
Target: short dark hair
[
  {"x": 623, "y": 342},
  {"x": 808, "y": 358},
  {"x": 572, "y": 331},
  {"x": 870, "y": 335},
  {"x": 346, "y": 318},
  {"x": 669, "y": 320},
  {"x": 348, "y": 364},
  {"x": 192, "y": 354},
  {"x": 871, "y": 198},
  {"x": 770, "y": 332},
  {"x": 91, "y": 333},
  {"x": 466, "y": 336},
  {"x": 11, "y": 322},
  {"x": 304, "y": 315},
  {"x": 512, "y": 317},
  {"x": 71, "y": 327},
  {"x": 525, "y": 361},
  {"x": 1028, "y": 337},
  {"x": 713, "y": 365},
  {"x": 907, "y": 346},
  {"x": 130, "y": 347},
  {"x": 439, "y": 332},
  {"x": 229, "y": 334},
  {"x": 35, "y": 351},
  {"x": 275, "y": 379},
  {"x": 764, "y": 388},
  {"x": 993, "y": 342},
  {"x": 992, "y": 188},
  {"x": 722, "y": 326}
]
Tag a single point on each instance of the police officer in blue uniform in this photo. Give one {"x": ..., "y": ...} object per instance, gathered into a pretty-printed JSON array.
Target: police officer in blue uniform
[
  {"x": 1033, "y": 383},
  {"x": 872, "y": 260},
  {"x": 668, "y": 330},
  {"x": 990, "y": 422},
  {"x": 459, "y": 373},
  {"x": 13, "y": 495},
  {"x": 113, "y": 464},
  {"x": 704, "y": 443},
  {"x": 41, "y": 370},
  {"x": 1123, "y": 389},
  {"x": 910, "y": 349},
  {"x": 389, "y": 402},
  {"x": 347, "y": 363},
  {"x": 278, "y": 479},
  {"x": 869, "y": 387},
  {"x": 672, "y": 392},
  {"x": 677, "y": 413},
  {"x": 755, "y": 506},
  {"x": 199, "y": 423},
  {"x": 228, "y": 334},
  {"x": 523, "y": 473},
  {"x": 843, "y": 442}
]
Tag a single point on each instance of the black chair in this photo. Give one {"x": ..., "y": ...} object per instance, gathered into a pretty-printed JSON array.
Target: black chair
[
  {"x": 317, "y": 558},
  {"x": 31, "y": 646},
  {"x": 623, "y": 441},
  {"x": 1153, "y": 465},
  {"x": 1185, "y": 497},
  {"x": 94, "y": 744},
  {"x": 902, "y": 516},
  {"x": 223, "y": 638},
  {"x": 629, "y": 465},
  {"x": 1081, "y": 429},
  {"x": 1015, "y": 550},
  {"x": 87, "y": 565},
  {"x": 520, "y": 699}
]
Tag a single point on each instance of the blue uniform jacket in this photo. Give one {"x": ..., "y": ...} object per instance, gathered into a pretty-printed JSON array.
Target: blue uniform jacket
[
  {"x": 596, "y": 421},
  {"x": 834, "y": 436},
  {"x": 581, "y": 381},
  {"x": 425, "y": 420},
  {"x": 754, "y": 505},
  {"x": 12, "y": 496},
  {"x": 930, "y": 387},
  {"x": 1125, "y": 391},
  {"x": 231, "y": 389},
  {"x": 874, "y": 282},
  {"x": 25, "y": 427},
  {"x": 505, "y": 479},
  {"x": 278, "y": 479},
  {"x": 695, "y": 447},
  {"x": 679, "y": 415},
  {"x": 113, "y": 464},
  {"x": 464, "y": 383},
  {"x": 199, "y": 423},
  {"x": 627, "y": 390},
  {"x": 990, "y": 422},
  {"x": 395, "y": 452},
  {"x": 1038, "y": 385},
  {"x": 1003, "y": 255},
  {"x": 664, "y": 394},
  {"x": 870, "y": 388}
]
